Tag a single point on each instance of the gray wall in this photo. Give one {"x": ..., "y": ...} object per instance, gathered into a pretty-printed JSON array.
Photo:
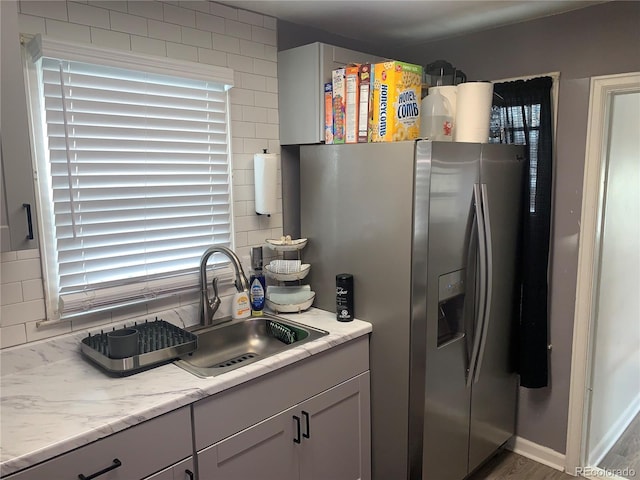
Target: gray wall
[{"x": 599, "y": 40}]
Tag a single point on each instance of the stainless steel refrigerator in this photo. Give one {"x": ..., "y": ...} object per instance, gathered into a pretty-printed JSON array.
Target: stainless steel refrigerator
[{"x": 430, "y": 232}]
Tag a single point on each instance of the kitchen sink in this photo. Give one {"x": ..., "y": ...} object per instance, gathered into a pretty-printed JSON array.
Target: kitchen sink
[{"x": 237, "y": 343}]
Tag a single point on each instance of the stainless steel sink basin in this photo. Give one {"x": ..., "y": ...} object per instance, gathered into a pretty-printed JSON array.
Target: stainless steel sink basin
[{"x": 238, "y": 343}]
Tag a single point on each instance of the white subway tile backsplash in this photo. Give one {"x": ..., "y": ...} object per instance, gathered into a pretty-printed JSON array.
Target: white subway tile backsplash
[
  {"x": 223, "y": 11},
  {"x": 251, "y": 17},
  {"x": 237, "y": 29},
  {"x": 120, "y": 6},
  {"x": 210, "y": 23},
  {"x": 270, "y": 23},
  {"x": 109, "y": 39},
  {"x": 123, "y": 22},
  {"x": 13, "y": 335},
  {"x": 264, "y": 35},
  {"x": 148, "y": 45},
  {"x": 266, "y": 99},
  {"x": 67, "y": 31},
  {"x": 241, "y": 96},
  {"x": 145, "y": 8},
  {"x": 32, "y": 290},
  {"x": 201, "y": 31},
  {"x": 11, "y": 293},
  {"x": 56, "y": 9},
  {"x": 240, "y": 62},
  {"x": 88, "y": 15},
  {"x": 164, "y": 31},
  {"x": 22, "y": 312},
  {"x": 182, "y": 52},
  {"x": 253, "y": 82},
  {"x": 265, "y": 67},
  {"x": 226, "y": 43},
  {"x": 197, "y": 5},
  {"x": 197, "y": 38},
  {"x": 252, "y": 49},
  {"x": 179, "y": 15},
  {"x": 31, "y": 24},
  {"x": 266, "y": 130},
  {"x": 19, "y": 270},
  {"x": 243, "y": 129},
  {"x": 254, "y": 114},
  {"x": 213, "y": 57}
]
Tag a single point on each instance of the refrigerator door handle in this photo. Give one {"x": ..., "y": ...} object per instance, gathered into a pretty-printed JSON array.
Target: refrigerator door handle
[
  {"x": 489, "y": 280},
  {"x": 482, "y": 252}
]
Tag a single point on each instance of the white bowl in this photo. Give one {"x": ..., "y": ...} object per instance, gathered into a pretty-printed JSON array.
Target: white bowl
[
  {"x": 289, "y": 277},
  {"x": 292, "y": 307},
  {"x": 282, "y": 246}
]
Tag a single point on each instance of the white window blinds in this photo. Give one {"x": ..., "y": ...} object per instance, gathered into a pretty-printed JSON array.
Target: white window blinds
[{"x": 134, "y": 178}]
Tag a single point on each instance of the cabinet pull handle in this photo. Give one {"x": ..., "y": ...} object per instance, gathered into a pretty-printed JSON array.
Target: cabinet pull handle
[
  {"x": 29, "y": 221},
  {"x": 189, "y": 473},
  {"x": 116, "y": 464},
  {"x": 307, "y": 434},
  {"x": 297, "y": 437}
]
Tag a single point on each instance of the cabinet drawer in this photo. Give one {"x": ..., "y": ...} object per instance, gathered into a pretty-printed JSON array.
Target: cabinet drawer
[
  {"x": 142, "y": 450},
  {"x": 273, "y": 393}
]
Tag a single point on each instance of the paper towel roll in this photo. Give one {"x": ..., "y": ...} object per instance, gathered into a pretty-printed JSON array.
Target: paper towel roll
[
  {"x": 265, "y": 168},
  {"x": 473, "y": 112}
]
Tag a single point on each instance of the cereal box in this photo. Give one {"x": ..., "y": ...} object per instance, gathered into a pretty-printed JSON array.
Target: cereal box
[
  {"x": 352, "y": 103},
  {"x": 363, "y": 110},
  {"x": 328, "y": 113},
  {"x": 339, "y": 93},
  {"x": 397, "y": 89}
]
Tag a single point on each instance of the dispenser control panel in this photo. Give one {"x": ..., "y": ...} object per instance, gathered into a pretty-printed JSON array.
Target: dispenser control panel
[{"x": 451, "y": 285}]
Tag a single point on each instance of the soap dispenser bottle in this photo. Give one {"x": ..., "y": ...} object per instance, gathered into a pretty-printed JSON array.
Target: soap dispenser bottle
[{"x": 257, "y": 284}]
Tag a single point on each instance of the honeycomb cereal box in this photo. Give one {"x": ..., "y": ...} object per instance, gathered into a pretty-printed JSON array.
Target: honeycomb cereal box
[{"x": 397, "y": 89}]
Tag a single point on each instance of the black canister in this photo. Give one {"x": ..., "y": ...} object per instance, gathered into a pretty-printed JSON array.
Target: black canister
[{"x": 344, "y": 297}]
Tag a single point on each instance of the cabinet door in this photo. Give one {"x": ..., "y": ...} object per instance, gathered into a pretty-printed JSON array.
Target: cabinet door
[
  {"x": 336, "y": 433},
  {"x": 15, "y": 145},
  {"x": 183, "y": 470},
  {"x": 264, "y": 451}
]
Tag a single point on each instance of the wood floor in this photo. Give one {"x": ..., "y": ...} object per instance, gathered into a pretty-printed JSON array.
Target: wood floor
[
  {"x": 625, "y": 454},
  {"x": 511, "y": 466}
]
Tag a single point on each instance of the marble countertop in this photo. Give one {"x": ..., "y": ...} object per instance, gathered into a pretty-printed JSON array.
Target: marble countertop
[{"x": 53, "y": 400}]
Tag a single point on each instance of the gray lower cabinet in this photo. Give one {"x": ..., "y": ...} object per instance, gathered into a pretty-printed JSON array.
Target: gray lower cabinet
[
  {"x": 184, "y": 470},
  {"x": 132, "y": 454},
  {"x": 310, "y": 420},
  {"x": 325, "y": 437}
]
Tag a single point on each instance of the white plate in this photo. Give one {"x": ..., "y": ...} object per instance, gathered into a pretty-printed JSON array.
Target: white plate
[
  {"x": 289, "y": 277},
  {"x": 281, "y": 246},
  {"x": 291, "y": 308}
]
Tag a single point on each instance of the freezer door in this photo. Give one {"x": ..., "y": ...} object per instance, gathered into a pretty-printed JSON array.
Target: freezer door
[
  {"x": 455, "y": 170},
  {"x": 494, "y": 387}
]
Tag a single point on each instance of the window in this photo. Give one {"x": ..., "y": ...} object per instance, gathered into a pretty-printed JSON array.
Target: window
[{"x": 132, "y": 165}]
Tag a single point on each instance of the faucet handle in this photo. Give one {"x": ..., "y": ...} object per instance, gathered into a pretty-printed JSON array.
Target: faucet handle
[{"x": 214, "y": 284}]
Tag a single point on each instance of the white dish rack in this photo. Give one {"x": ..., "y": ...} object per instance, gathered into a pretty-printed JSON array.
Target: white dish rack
[{"x": 285, "y": 275}]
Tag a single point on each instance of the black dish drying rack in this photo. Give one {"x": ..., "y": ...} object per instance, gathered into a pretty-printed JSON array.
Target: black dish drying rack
[{"x": 159, "y": 342}]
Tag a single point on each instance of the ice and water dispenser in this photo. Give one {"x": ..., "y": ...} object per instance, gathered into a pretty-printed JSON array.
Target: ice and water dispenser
[{"x": 451, "y": 296}]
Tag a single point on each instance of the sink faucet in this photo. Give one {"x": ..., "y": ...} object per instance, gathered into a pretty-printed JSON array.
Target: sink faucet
[{"x": 208, "y": 307}]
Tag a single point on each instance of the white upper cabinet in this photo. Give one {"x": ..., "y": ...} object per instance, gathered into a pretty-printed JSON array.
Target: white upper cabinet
[{"x": 302, "y": 73}]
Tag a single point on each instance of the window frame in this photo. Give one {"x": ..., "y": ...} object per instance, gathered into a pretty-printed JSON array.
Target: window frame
[{"x": 46, "y": 47}]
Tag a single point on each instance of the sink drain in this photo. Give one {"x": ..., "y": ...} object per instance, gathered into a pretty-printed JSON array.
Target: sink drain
[{"x": 236, "y": 360}]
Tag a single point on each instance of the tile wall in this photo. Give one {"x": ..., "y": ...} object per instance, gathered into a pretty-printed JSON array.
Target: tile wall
[{"x": 198, "y": 31}]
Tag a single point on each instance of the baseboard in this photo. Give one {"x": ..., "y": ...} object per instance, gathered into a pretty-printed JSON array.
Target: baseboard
[
  {"x": 536, "y": 452},
  {"x": 617, "y": 429}
]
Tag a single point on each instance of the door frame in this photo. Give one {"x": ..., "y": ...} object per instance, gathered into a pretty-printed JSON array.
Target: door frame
[{"x": 593, "y": 191}]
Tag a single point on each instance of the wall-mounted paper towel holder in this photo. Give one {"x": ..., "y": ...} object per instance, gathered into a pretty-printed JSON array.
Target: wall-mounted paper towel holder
[{"x": 265, "y": 169}]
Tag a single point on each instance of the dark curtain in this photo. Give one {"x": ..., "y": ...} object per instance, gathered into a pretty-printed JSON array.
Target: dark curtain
[{"x": 522, "y": 115}]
